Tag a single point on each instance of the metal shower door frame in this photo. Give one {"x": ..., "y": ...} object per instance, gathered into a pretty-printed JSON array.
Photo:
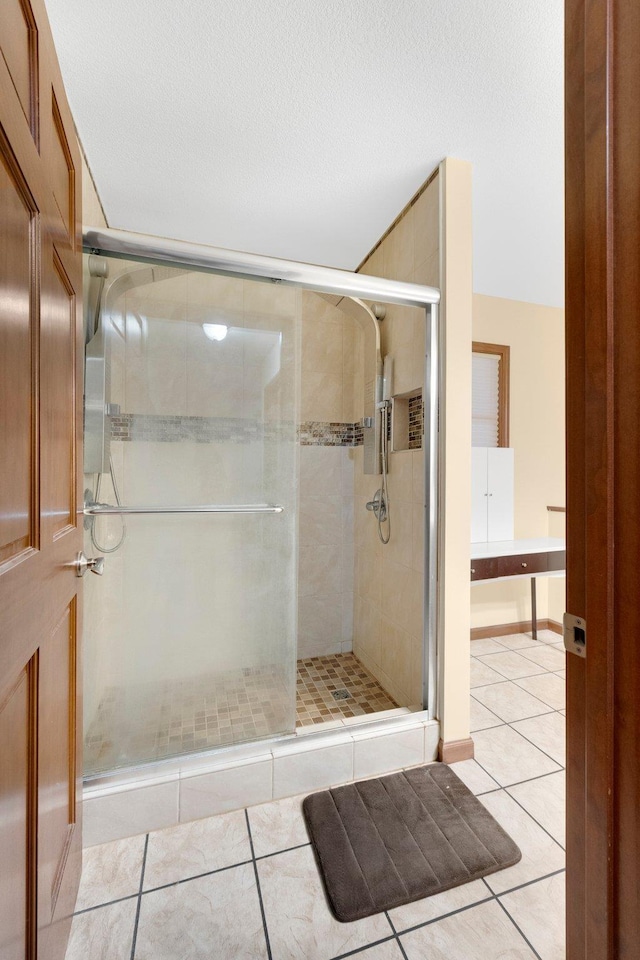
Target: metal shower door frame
[{"x": 194, "y": 256}]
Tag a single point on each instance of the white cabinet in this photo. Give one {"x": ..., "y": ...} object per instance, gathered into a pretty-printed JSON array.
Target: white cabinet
[{"x": 491, "y": 494}]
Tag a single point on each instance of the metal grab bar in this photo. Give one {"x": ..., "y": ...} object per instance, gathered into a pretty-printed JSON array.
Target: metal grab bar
[{"x": 105, "y": 509}]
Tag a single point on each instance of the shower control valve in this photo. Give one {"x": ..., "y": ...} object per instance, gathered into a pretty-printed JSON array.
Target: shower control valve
[
  {"x": 82, "y": 564},
  {"x": 378, "y": 505}
]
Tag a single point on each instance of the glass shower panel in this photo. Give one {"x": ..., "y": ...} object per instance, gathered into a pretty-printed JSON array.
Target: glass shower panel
[{"x": 190, "y": 639}]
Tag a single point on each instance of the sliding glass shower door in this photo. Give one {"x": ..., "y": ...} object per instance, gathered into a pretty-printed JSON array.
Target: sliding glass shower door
[{"x": 191, "y": 467}]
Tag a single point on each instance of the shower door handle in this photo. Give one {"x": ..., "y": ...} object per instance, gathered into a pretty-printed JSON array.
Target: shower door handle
[{"x": 82, "y": 564}]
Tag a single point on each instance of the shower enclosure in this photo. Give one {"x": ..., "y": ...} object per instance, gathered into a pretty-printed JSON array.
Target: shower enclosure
[{"x": 194, "y": 398}]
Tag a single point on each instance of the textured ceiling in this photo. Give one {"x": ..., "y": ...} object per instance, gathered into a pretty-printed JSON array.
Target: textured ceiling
[{"x": 300, "y": 128}]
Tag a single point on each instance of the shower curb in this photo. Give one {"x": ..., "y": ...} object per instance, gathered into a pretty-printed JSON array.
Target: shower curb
[{"x": 165, "y": 794}]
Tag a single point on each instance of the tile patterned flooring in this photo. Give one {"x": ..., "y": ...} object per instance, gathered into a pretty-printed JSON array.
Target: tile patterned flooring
[
  {"x": 153, "y": 721},
  {"x": 157, "y": 720},
  {"x": 244, "y": 885},
  {"x": 320, "y": 677}
]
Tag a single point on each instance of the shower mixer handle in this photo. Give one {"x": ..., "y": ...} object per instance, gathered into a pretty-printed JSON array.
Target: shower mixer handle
[
  {"x": 82, "y": 564},
  {"x": 378, "y": 505}
]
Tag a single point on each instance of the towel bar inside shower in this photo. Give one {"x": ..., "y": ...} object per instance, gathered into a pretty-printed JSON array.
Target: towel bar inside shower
[{"x": 105, "y": 509}]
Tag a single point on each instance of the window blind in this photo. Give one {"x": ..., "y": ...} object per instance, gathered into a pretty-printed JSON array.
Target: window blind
[{"x": 484, "y": 399}]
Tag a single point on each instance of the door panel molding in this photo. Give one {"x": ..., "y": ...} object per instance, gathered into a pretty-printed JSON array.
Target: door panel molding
[
  {"x": 19, "y": 47},
  {"x": 19, "y": 529}
]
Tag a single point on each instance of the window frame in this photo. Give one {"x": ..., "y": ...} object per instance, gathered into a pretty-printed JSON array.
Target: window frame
[{"x": 502, "y": 351}]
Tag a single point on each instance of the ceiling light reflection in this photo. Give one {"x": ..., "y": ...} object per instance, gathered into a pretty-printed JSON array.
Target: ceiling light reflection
[{"x": 215, "y": 331}]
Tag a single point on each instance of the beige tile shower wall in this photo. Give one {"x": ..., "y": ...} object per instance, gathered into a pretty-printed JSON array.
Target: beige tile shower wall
[
  {"x": 535, "y": 335},
  {"x": 388, "y": 616},
  {"x": 327, "y": 362},
  {"x": 431, "y": 244},
  {"x": 326, "y": 552},
  {"x": 325, "y": 567},
  {"x": 388, "y": 579}
]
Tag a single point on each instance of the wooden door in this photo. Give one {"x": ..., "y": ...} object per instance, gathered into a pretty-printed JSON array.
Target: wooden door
[
  {"x": 40, "y": 526},
  {"x": 603, "y": 476}
]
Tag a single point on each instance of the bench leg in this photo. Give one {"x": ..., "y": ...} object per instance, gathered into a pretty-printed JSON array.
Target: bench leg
[{"x": 534, "y": 616}]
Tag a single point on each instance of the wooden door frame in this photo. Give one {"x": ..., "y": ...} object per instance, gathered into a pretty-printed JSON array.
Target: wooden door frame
[{"x": 602, "y": 78}]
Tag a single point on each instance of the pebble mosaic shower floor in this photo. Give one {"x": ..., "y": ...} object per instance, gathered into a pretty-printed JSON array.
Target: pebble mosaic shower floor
[{"x": 158, "y": 720}]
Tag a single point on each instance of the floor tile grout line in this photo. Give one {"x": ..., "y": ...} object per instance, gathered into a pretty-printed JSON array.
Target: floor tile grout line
[
  {"x": 196, "y": 876},
  {"x": 275, "y": 853},
  {"x": 529, "y": 883},
  {"x": 525, "y": 938},
  {"x": 547, "y": 669},
  {"x": 519, "y": 652},
  {"x": 482, "y": 729},
  {"x": 490, "y": 896},
  {"x": 487, "y": 793},
  {"x": 451, "y": 913},
  {"x": 494, "y": 683},
  {"x": 107, "y": 903},
  {"x": 525, "y": 676},
  {"x": 139, "y": 903},
  {"x": 367, "y": 946},
  {"x": 257, "y": 878},
  {"x": 534, "y": 643},
  {"x": 401, "y": 946},
  {"x": 545, "y": 713},
  {"x": 518, "y": 782},
  {"x": 550, "y": 706},
  {"x": 532, "y": 742},
  {"x": 396, "y": 934},
  {"x": 522, "y": 807}
]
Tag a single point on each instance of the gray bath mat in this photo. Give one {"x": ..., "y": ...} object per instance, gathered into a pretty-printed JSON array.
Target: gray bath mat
[{"x": 381, "y": 843}]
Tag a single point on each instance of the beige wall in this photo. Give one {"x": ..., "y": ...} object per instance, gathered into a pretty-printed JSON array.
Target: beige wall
[
  {"x": 456, "y": 259},
  {"x": 535, "y": 335},
  {"x": 92, "y": 212}
]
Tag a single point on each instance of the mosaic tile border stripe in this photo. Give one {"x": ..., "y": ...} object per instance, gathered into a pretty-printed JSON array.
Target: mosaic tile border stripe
[
  {"x": 157, "y": 428},
  {"x": 416, "y": 422},
  {"x": 317, "y": 433}
]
